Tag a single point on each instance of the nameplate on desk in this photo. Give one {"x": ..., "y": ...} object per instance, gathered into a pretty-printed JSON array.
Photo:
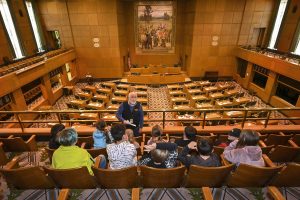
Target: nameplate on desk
[{"x": 20, "y": 71}]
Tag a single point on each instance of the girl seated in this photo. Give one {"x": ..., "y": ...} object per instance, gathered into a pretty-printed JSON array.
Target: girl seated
[
  {"x": 53, "y": 144},
  {"x": 101, "y": 135},
  {"x": 131, "y": 138},
  {"x": 205, "y": 156},
  {"x": 245, "y": 150},
  {"x": 156, "y": 134}
]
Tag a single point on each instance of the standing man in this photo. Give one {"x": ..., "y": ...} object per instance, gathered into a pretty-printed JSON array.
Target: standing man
[{"x": 131, "y": 114}]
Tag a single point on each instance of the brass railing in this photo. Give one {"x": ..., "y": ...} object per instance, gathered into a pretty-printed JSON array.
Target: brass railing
[{"x": 19, "y": 116}]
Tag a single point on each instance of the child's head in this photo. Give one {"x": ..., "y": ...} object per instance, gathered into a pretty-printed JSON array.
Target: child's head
[
  {"x": 117, "y": 132},
  {"x": 234, "y": 134},
  {"x": 56, "y": 129},
  {"x": 190, "y": 132},
  {"x": 204, "y": 147},
  {"x": 101, "y": 125},
  {"x": 248, "y": 138},
  {"x": 130, "y": 135},
  {"x": 156, "y": 132},
  {"x": 159, "y": 156}
]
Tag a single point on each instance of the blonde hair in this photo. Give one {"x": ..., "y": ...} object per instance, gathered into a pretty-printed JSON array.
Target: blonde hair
[{"x": 129, "y": 133}]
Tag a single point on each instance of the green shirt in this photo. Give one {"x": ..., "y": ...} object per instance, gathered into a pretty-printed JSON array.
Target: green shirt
[{"x": 66, "y": 157}]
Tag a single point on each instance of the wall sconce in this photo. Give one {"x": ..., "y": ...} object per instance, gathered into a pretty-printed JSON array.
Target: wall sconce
[
  {"x": 96, "y": 42},
  {"x": 215, "y": 40}
]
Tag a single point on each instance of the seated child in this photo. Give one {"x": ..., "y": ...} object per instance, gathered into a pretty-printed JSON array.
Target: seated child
[
  {"x": 156, "y": 134},
  {"x": 205, "y": 156},
  {"x": 101, "y": 135},
  {"x": 131, "y": 138},
  {"x": 234, "y": 134},
  {"x": 189, "y": 134},
  {"x": 158, "y": 158},
  {"x": 53, "y": 144},
  {"x": 245, "y": 150}
]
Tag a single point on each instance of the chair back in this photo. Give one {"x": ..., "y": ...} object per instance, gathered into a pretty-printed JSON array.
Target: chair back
[
  {"x": 267, "y": 149},
  {"x": 251, "y": 176},
  {"x": 75, "y": 178},
  {"x": 284, "y": 153},
  {"x": 139, "y": 139},
  {"x": 117, "y": 178},
  {"x": 296, "y": 139},
  {"x": 210, "y": 138},
  {"x": 89, "y": 141},
  {"x": 287, "y": 177},
  {"x": 3, "y": 158},
  {"x": 15, "y": 144},
  {"x": 274, "y": 139},
  {"x": 162, "y": 178},
  {"x": 32, "y": 177},
  {"x": 50, "y": 153},
  {"x": 199, "y": 176},
  {"x": 96, "y": 152},
  {"x": 218, "y": 150}
]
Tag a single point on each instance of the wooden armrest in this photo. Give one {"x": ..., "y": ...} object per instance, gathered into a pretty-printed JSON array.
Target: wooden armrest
[
  {"x": 168, "y": 137},
  {"x": 97, "y": 161},
  {"x": 281, "y": 133},
  {"x": 142, "y": 147},
  {"x": 211, "y": 134},
  {"x": 31, "y": 142},
  {"x": 268, "y": 161},
  {"x": 275, "y": 193},
  {"x": 63, "y": 194},
  {"x": 207, "y": 193},
  {"x": 258, "y": 133},
  {"x": 14, "y": 163},
  {"x": 11, "y": 136},
  {"x": 83, "y": 145},
  {"x": 261, "y": 143},
  {"x": 292, "y": 143},
  {"x": 224, "y": 161},
  {"x": 135, "y": 194}
]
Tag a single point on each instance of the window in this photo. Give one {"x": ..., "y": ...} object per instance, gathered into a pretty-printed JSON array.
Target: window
[
  {"x": 297, "y": 45},
  {"x": 260, "y": 77},
  {"x": 242, "y": 67},
  {"x": 34, "y": 26},
  {"x": 277, "y": 24},
  {"x": 288, "y": 89},
  {"x": 10, "y": 28}
]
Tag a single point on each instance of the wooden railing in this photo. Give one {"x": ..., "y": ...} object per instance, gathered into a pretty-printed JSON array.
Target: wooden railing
[{"x": 201, "y": 116}]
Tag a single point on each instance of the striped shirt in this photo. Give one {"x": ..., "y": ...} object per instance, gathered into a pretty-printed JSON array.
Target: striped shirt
[{"x": 121, "y": 155}]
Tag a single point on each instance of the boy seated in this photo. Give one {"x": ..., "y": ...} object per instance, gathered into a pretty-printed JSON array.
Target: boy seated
[
  {"x": 189, "y": 134},
  {"x": 205, "y": 156},
  {"x": 158, "y": 158}
]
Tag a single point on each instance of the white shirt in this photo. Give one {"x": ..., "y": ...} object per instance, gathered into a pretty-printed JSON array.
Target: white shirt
[{"x": 121, "y": 155}]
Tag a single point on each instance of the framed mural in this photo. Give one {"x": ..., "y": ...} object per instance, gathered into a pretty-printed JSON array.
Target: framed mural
[{"x": 155, "y": 27}]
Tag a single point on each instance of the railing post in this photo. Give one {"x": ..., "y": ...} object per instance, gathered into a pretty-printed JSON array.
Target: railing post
[
  {"x": 58, "y": 116},
  {"x": 203, "y": 121},
  {"x": 268, "y": 117},
  {"x": 20, "y": 122},
  {"x": 244, "y": 118},
  {"x": 164, "y": 116}
]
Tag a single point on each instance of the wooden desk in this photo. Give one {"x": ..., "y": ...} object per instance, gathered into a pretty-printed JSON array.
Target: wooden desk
[
  {"x": 142, "y": 100},
  {"x": 77, "y": 102},
  {"x": 88, "y": 116},
  {"x": 109, "y": 117},
  {"x": 199, "y": 98},
  {"x": 84, "y": 95},
  {"x": 46, "y": 107},
  {"x": 109, "y": 85},
  {"x": 104, "y": 98},
  {"x": 204, "y": 83},
  {"x": 113, "y": 106},
  {"x": 231, "y": 92},
  {"x": 194, "y": 91},
  {"x": 141, "y": 87},
  {"x": 123, "y": 86},
  {"x": 105, "y": 90},
  {"x": 90, "y": 88},
  {"x": 213, "y": 116},
  {"x": 118, "y": 99},
  {"x": 216, "y": 95},
  {"x": 141, "y": 94},
  {"x": 181, "y": 107},
  {"x": 233, "y": 114},
  {"x": 121, "y": 92},
  {"x": 224, "y": 103},
  {"x": 203, "y": 105},
  {"x": 210, "y": 89},
  {"x": 179, "y": 99},
  {"x": 191, "y": 85},
  {"x": 177, "y": 92},
  {"x": 176, "y": 86},
  {"x": 156, "y": 79},
  {"x": 241, "y": 100},
  {"x": 95, "y": 105},
  {"x": 223, "y": 86}
]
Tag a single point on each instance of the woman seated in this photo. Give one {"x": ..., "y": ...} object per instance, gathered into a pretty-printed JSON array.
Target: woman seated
[
  {"x": 205, "y": 156},
  {"x": 68, "y": 155},
  {"x": 245, "y": 150},
  {"x": 121, "y": 153},
  {"x": 156, "y": 134},
  {"x": 53, "y": 144}
]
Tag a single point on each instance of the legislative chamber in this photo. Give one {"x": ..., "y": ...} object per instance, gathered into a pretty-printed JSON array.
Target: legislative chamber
[{"x": 204, "y": 92}]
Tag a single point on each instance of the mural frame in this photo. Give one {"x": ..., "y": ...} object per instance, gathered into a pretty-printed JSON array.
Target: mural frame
[{"x": 155, "y": 27}]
